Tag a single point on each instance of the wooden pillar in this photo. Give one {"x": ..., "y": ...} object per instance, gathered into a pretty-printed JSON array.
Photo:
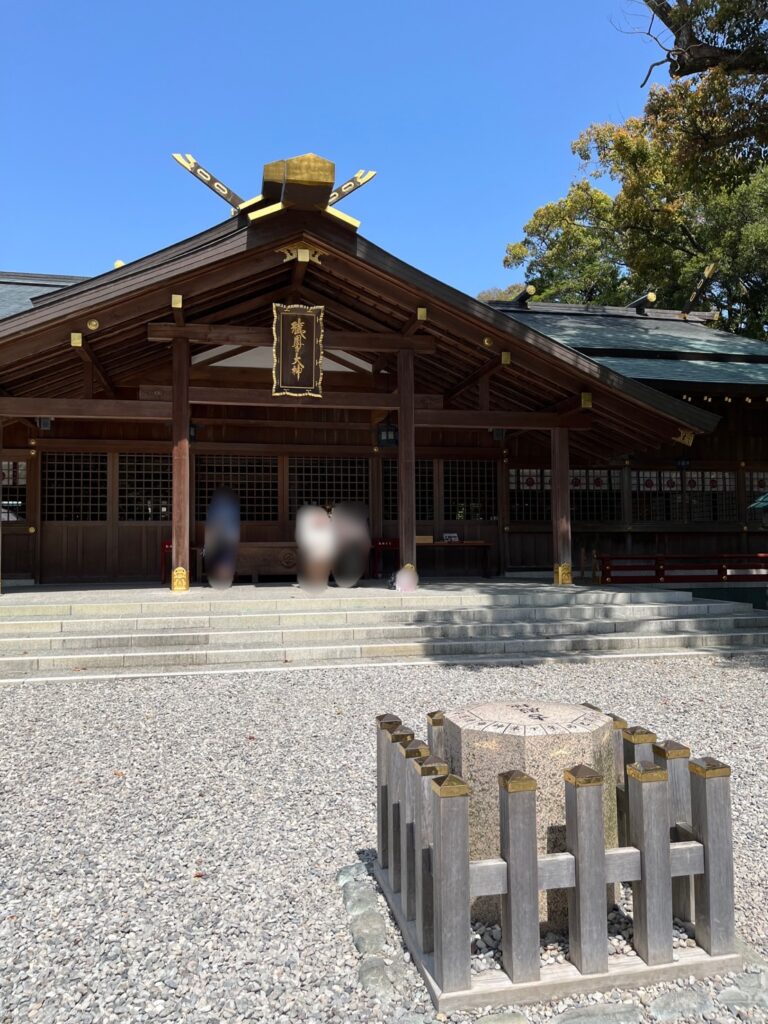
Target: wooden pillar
[
  {"x": 406, "y": 458},
  {"x": 180, "y": 437},
  {"x": 561, "y": 507},
  {"x": 1, "y": 506}
]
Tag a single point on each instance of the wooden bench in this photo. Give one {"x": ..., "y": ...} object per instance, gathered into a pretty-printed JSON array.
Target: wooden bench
[{"x": 259, "y": 558}]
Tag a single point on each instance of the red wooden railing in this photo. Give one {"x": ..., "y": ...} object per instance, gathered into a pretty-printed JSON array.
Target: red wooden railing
[{"x": 682, "y": 568}]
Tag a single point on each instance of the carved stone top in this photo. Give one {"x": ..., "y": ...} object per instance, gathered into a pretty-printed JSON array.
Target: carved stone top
[{"x": 528, "y": 719}]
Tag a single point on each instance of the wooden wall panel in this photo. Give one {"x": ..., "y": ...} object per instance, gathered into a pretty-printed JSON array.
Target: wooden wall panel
[{"x": 74, "y": 551}]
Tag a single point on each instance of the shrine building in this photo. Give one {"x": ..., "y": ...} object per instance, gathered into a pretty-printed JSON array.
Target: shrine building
[{"x": 283, "y": 355}]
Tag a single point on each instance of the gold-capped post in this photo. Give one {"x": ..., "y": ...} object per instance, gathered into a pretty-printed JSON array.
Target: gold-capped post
[
  {"x": 709, "y": 768},
  {"x": 401, "y": 735},
  {"x": 177, "y": 301},
  {"x": 639, "y": 734},
  {"x": 421, "y": 313},
  {"x": 516, "y": 781},
  {"x": 436, "y": 717},
  {"x": 76, "y": 339},
  {"x": 506, "y": 358},
  {"x": 432, "y": 765},
  {"x": 586, "y": 399},
  {"x": 416, "y": 748},
  {"x": 388, "y": 722},
  {"x": 451, "y": 785},
  {"x": 583, "y": 775},
  {"x": 670, "y": 749},
  {"x": 647, "y": 771}
]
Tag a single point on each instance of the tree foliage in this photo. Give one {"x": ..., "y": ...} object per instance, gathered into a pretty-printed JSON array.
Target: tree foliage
[{"x": 691, "y": 180}]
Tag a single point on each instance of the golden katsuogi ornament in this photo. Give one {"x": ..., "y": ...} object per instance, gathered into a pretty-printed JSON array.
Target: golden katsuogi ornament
[{"x": 297, "y": 350}]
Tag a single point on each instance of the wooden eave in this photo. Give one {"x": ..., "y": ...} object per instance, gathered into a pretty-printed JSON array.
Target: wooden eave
[{"x": 233, "y": 272}]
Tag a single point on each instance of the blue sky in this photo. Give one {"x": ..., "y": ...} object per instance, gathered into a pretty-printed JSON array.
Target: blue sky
[{"x": 466, "y": 111}]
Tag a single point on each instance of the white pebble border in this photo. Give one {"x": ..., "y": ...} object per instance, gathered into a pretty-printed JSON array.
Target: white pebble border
[{"x": 170, "y": 846}]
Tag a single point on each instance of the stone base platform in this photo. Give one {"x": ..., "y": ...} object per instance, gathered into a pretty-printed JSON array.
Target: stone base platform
[{"x": 493, "y": 988}]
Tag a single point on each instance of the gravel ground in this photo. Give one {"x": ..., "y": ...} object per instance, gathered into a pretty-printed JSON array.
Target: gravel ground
[{"x": 169, "y": 846}]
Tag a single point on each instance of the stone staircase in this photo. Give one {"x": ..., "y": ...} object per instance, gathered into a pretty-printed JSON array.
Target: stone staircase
[{"x": 121, "y": 632}]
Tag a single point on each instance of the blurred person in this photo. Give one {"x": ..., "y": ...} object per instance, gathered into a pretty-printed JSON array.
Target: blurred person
[
  {"x": 352, "y": 543},
  {"x": 222, "y": 537},
  {"x": 407, "y": 579},
  {"x": 317, "y": 547}
]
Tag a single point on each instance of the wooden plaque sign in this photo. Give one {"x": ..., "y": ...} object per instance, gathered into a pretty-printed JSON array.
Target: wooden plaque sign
[{"x": 297, "y": 333}]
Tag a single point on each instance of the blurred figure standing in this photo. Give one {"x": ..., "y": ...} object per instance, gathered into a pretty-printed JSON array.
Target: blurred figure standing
[
  {"x": 222, "y": 537},
  {"x": 317, "y": 547},
  {"x": 353, "y": 543}
]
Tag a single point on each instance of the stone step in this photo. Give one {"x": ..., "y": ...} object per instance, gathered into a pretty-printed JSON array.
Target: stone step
[
  {"x": 289, "y": 619},
  {"x": 324, "y": 635},
  {"x": 192, "y": 603},
  {"x": 44, "y": 666}
]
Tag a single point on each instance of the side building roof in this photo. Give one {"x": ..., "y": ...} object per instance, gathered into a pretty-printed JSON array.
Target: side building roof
[
  {"x": 18, "y": 291},
  {"x": 659, "y": 345}
]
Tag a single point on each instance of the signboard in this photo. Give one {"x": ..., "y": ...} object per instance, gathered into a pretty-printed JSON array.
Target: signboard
[{"x": 297, "y": 352}]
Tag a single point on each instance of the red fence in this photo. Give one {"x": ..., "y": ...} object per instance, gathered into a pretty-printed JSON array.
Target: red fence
[{"x": 682, "y": 568}]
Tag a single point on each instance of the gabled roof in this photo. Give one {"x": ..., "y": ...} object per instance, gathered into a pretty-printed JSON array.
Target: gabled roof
[
  {"x": 659, "y": 345},
  {"x": 234, "y": 271},
  {"x": 18, "y": 291}
]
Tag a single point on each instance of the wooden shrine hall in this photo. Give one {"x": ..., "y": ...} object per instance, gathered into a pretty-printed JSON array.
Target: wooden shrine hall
[{"x": 285, "y": 356}]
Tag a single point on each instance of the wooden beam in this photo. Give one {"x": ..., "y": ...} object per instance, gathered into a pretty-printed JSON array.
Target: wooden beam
[
  {"x": 478, "y": 419},
  {"x": 260, "y": 337},
  {"x": 480, "y": 373},
  {"x": 86, "y": 353},
  {"x": 406, "y": 458},
  {"x": 264, "y": 397},
  {"x": 85, "y": 409}
]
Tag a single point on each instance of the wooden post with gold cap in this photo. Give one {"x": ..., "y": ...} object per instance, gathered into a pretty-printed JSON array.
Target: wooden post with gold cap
[
  {"x": 395, "y": 797},
  {"x": 674, "y": 758},
  {"x": 406, "y": 458},
  {"x": 425, "y": 771},
  {"x": 450, "y": 862},
  {"x": 649, "y": 832},
  {"x": 180, "y": 465},
  {"x": 409, "y": 751},
  {"x": 713, "y": 889},
  {"x": 585, "y": 839},
  {"x": 520, "y": 903},
  {"x": 385, "y": 724},
  {"x": 561, "y": 507},
  {"x": 436, "y": 733},
  {"x": 637, "y": 745}
]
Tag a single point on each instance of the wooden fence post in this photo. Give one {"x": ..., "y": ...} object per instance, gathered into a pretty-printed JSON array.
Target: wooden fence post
[
  {"x": 520, "y": 904},
  {"x": 674, "y": 757},
  {"x": 713, "y": 890},
  {"x": 649, "y": 832},
  {"x": 450, "y": 877},
  {"x": 397, "y": 738},
  {"x": 435, "y": 733},
  {"x": 585, "y": 839},
  {"x": 384, "y": 724},
  {"x": 425, "y": 771},
  {"x": 409, "y": 751},
  {"x": 637, "y": 745}
]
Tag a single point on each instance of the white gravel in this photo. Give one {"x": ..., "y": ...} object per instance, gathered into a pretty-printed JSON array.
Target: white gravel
[{"x": 168, "y": 847}]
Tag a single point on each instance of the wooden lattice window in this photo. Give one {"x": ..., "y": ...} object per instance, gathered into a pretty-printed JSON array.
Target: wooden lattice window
[
  {"x": 469, "y": 489},
  {"x": 425, "y": 494},
  {"x": 595, "y": 495},
  {"x": 144, "y": 488},
  {"x": 13, "y": 492},
  {"x": 530, "y": 495},
  {"x": 252, "y": 478},
  {"x": 657, "y": 496},
  {"x": 710, "y": 496},
  {"x": 326, "y": 482},
  {"x": 74, "y": 487}
]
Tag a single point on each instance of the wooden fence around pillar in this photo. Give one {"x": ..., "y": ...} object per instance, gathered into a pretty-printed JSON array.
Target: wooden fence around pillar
[{"x": 676, "y": 854}]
